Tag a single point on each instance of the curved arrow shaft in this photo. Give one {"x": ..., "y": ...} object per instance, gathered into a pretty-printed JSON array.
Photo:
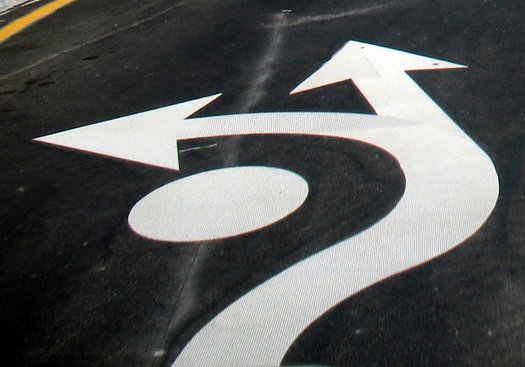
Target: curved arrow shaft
[
  {"x": 397, "y": 95},
  {"x": 451, "y": 190}
]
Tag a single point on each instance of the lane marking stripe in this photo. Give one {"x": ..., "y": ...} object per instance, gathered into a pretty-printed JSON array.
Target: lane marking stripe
[{"x": 22, "y": 23}]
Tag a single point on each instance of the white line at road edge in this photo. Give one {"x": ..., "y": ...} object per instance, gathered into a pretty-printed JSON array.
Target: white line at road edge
[{"x": 7, "y": 5}]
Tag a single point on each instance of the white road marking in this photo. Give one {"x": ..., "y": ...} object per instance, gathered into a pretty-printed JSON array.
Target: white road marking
[
  {"x": 451, "y": 189},
  {"x": 218, "y": 204},
  {"x": 379, "y": 73},
  {"x": 147, "y": 137},
  {"x": 6, "y": 5}
]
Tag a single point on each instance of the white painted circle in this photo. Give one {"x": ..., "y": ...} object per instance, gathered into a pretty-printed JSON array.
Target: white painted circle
[{"x": 218, "y": 204}]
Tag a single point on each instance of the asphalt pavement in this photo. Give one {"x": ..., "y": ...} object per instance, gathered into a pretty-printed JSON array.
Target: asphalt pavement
[{"x": 79, "y": 287}]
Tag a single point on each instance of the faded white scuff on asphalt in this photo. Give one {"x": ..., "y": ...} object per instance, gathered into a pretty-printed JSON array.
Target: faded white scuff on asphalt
[
  {"x": 197, "y": 148},
  {"x": 263, "y": 70},
  {"x": 348, "y": 13}
]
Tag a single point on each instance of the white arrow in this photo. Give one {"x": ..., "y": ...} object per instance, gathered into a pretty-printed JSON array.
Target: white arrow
[
  {"x": 451, "y": 189},
  {"x": 150, "y": 137},
  {"x": 379, "y": 73},
  {"x": 147, "y": 137}
]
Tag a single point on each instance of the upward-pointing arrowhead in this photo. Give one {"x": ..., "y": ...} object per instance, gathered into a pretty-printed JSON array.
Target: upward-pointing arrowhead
[{"x": 357, "y": 60}]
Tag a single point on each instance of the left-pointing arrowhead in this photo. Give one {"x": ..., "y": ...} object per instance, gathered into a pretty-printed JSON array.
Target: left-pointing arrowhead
[
  {"x": 357, "y": 60},
  {"x": 148, "y": 137}
]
